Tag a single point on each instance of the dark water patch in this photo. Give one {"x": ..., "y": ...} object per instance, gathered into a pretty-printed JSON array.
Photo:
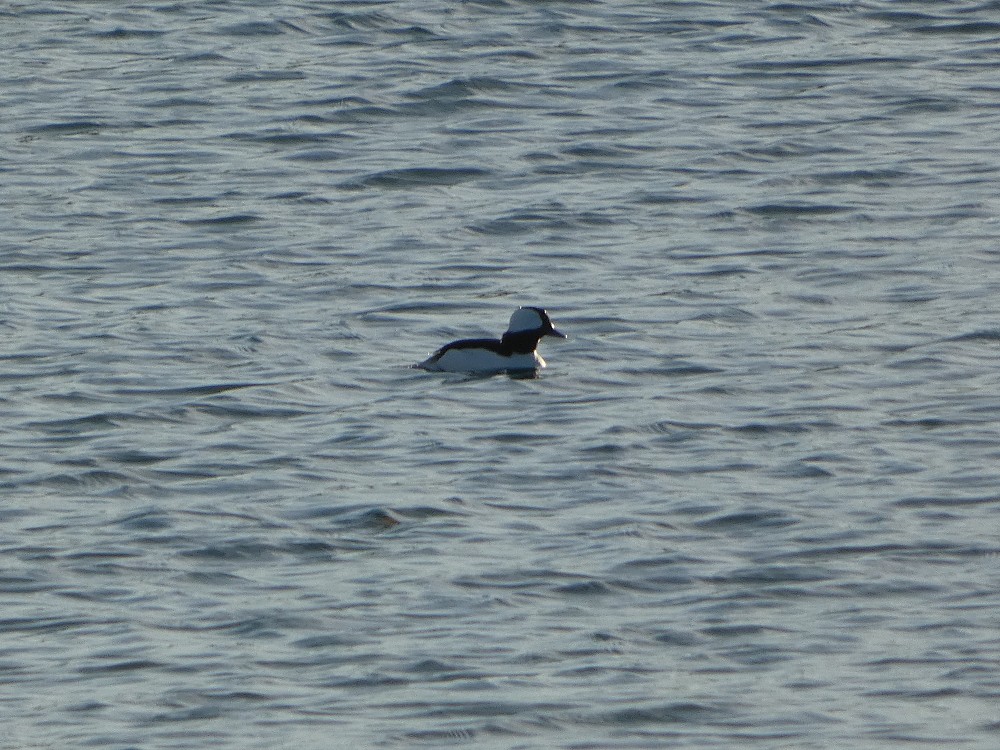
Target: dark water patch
[
  {"x": 176, "y": 102},
  {"x": 365, "y": 114},
  {"x": 801, "y": 470},
  {"x": 232, "y": 517},
  {"x": 665, "y": 427},
  {"x": 891, "y": 588},
  {"x": 223, "y": 222},
  {"x": 521, "y": 222},
  {"x": 603, "y": 151},
  {"x": 283, "y": 138},
  {"x": 234, "y": 550},
  {"x": 947, "y": 502},
  {"x": 271, "y": 624},
  {"x": 332, "y": 101},
  {"x": 775, "y": 428},
  {"x": 135, "y": 457},
  {"x": 453, "y": 735},
  {"x": 316, "y": 155},
  {"x": 832, "y": 63},
  {"x": 199, "y": 57},
  {"x": 185, "y": 200},
  {"x": 518, "y": 579},
  {"x": 603, "y": 451},
  {"x": 21, "y": 584},
  {"x": 452, "y": 108},
  {"x": 313, "y": 550},
  {"x": 124, "y": 33},
  {"x": 329, "y": 640},
  {"x": 730, "y": 313},
  {"x": 147, "y": 520},
  {"x": 741, "y": 630},
  {"x": 737, "y": 467},
  {"x": 925, "y": 423},
  {"x": 196, "y": 714},
  {"x": 722, "y": 270},
  {"x": 420, "y": 306},
  {"x": 653, "y": 81},
  {"x": 267, "y": 76},
  {"x": 369, "y": 519},
  {"x": 432, "y": 666},
  {"x": 479, "y": 708},
  {"x": 69, "y": 127},
  {"x": 416, "y": 177},
  {"x": 690, "y": 370},
  {"x": 518, "y": 438},
  {"x": 651, "y": 567},
  {"x": 509, "y": 53},
  {"x": 245, "y": 411},
  {"x": 103, "y": 554},
  {"x": 45, "y": 624},
  {"x": 584, "y": 588},
  {"x": 130, "y": 665},
  {"x": 9, "y": 514},
  {"x": 681, "y": 638},
  {"x": 212, "y": 578},
  {"x": 682, "y": 713},
  {"x": 901, "y": 16},
  {"x": 583, "y": 166},
  {"x": 425, "y": 512},
  {"x": 101, "y": 422},
  {"x": 298, "y": 196},
  {"x": 103, "y": 595},
  {"x": 908, "y": 661},
  {"x": 919, "y": 695},
  {"x": 794, "y": 210},
  {"x": 435, "y": 671},
  {"x": 924, "y": 104},
  {"x": 669, "y": 580},
  {"x": 93, "y": 480},
  {"x": 968, "y": 28},
  {"x": 192, "y": 473},
  {"x": 209, "y": 389},
  {"x": 362, "y": 20},
  {"x": 867, "y": 177},
  {"x": 555, "y": 218},
  {"x": 665, "y": 198},
  {"x": 848, "y": 551},
  {"x": 912, "y": 296},
  {"x": 253, "y": 29},
  {"x": 762, "y": 518},
  {"x": 464, "y": 88},
  {"x": 988, "y": 335},
  {"x": 784, "y": 149},
  {"x": 767, "y": 575}
]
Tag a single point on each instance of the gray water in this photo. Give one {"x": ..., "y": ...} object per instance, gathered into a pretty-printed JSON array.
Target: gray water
[{"x": 752, "y": 502}]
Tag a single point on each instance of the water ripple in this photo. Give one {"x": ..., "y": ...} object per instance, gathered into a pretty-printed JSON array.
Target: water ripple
[{"x": 751, "y": 500}]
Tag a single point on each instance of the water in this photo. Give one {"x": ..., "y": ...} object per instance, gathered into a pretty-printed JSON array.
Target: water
[{"x": 752, "y": 502}]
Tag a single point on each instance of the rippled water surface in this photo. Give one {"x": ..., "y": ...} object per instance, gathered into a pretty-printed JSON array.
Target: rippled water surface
[{"x": 752, "y": 502}]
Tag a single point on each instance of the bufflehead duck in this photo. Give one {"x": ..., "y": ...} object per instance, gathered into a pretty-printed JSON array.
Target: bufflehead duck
[{"x": 515, "y": 351}]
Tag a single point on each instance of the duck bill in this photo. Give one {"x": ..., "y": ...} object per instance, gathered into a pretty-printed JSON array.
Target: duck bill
[{"x": 558, "y": 334}]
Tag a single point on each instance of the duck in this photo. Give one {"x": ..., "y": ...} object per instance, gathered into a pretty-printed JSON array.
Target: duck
[{"x": 515, "y": 351}]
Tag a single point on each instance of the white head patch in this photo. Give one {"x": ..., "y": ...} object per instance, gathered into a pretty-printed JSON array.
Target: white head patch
[{"x": 525, "y": 319}]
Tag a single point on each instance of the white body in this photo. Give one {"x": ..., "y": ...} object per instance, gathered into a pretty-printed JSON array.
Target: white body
[{"x": 481, "y": 360}]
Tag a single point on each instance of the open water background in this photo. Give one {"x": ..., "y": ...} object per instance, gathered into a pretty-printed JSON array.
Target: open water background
[{"x": 753, "y": 502}]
